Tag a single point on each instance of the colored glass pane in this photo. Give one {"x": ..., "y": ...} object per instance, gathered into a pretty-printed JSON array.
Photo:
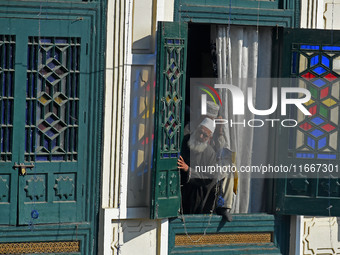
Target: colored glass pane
[
  {"x": 314, "y": 92},
  {"x": 303, "y": 64},
  {"x": 313, "y": 110},
  {"x": 317, "y": 121},
  {"x": 323, "y": 111},
  {"x": 324, "y": 92},
  {"x": 325, "y": 61},
  {"x": 306, "y": 126},
  {"x": 311, "y": 101},
  {"x": 319, "y": 70},
  {"x": 309, "y": 47},
  {"x": 326, "y": 156},
  {"x": 316, "y": 133},
  {"x": 319, "y": 82},
  {"x": 55, "y": 79},
  {"x": 329, "y": 102},
  {"x": 314, "y": 61},
  {"x": 330, "y": 77},
  {"x": 322, "y": 143},
  {"x": 328, "y": 127},
  {"x": 311, "y": 142},
  {"x": 335, "y": 48},
  {"x": 304, "y": 155},
  {"x": 308, "y": 76}
]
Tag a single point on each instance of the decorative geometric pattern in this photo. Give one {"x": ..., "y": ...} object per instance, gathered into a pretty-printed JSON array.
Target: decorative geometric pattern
[
  {"x": 7, "y": 50},
  {"x": 4, "y": 188},
  {"x": 224, "y": 239},
  {"x": 64, "y": 187},
  {"x": 35, "y": 188},
  {"x": 52, "y": 99},
  {"x": 39, "y": 247},
  {"x": 172, "y": 99},
  {"x": 316, "y": 135}
]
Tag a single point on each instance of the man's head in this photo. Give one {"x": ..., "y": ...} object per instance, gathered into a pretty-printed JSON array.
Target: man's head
[{"x": 199, "y": 139}]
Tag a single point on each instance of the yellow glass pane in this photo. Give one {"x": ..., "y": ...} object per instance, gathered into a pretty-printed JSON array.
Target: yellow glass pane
[
  {"x": 141, "y": 132},
  {"x": 309, "y": 102},
  {"x": 329, "y": 102},
  {"x": 140, "y": 158},
  {"x": 303, "y": 63},
  {"x": 58, "y": 100},
  {"x": 168, "y": 99},
  {"x": 43, "y": 99}
]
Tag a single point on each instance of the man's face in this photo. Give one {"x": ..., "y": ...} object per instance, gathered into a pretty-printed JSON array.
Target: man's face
[{"x": 203, "y": 134}]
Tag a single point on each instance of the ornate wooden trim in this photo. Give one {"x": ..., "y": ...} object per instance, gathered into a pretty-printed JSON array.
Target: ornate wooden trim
[
  {"x": 39, "y": 247},
  {"x": 224, "y": 238}
]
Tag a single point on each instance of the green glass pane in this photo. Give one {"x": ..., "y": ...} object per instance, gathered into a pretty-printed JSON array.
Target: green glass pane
[
  {"x": 323, "y": 111},
  {"x": 314, "y": 92}
]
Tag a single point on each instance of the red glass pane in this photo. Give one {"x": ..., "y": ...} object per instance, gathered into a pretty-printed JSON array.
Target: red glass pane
[
  {"x": 308, "y": 76},
  {"x": 328, "y": 127},
  {"x": 312, "y": 110},
  {"x": 324, "y": 92},
  {"x": 330, "y": 77},
  {"x": 306, "y": 126}
]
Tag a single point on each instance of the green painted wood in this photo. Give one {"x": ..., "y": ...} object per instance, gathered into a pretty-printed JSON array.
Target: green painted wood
[
  {"x": 242, "y": 223},
  {"x": 317, "y": 196},
  {"x": 77, "y": 220},
  {"x": 263, "y": 13},
  {"x": 169, "y": 117}
]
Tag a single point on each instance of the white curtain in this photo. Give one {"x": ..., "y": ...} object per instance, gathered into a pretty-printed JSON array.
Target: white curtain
[{"x": 239, "y": 64}]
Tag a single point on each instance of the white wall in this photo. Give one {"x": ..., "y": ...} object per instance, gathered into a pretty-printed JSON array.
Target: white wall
[{"x": 128, "y": 127}]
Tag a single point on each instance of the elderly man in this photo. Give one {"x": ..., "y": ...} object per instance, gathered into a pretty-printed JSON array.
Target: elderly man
[{"x": 198, "y": 190}]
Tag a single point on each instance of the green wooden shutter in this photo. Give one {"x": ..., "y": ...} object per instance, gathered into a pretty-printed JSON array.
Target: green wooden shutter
[
  {"x": 169, "y": 118},
  {"x": 313, "y": 56}
]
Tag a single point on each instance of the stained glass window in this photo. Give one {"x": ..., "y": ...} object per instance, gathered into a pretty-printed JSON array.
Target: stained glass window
[
  {"x": 7, "y": 50},
  {"x": 317, "y": 68},
  {"x": 171, "y": 114},
  {"x": 52, "y": 99}
]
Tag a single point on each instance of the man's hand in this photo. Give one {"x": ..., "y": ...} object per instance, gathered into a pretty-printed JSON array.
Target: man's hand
[{"x": 182, "y": 164}]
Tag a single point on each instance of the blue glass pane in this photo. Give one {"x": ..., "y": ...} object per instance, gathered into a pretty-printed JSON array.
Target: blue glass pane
[
  {"x": 319, "y": 70},
  {"x": 45, "y": 40},
  {"x": 174, "y": 155},
  {"x": 331, "y": 48},
  {"x": 325, "y": 61},
  {"x": 317, "y": 133},
  {"x": 41, "y": 158},
  {"x": 322, "y": 143},
  {"x": 311, "y": 142},
  {"x": 166, "y": 155},
  {"x": 319, "y": 83},
  {"x": 326, "y": 156},
  {"x": 61, "y": 40},
  {"x": 317, "y": 121},
  {"x": 57, "y": 158},
  {"x": 304, "y": 155},
  {"x": 309, "y": 47},
  {"x": 314, "y": 61}
]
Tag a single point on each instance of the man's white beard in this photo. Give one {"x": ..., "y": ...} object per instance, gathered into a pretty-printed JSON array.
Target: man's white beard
[{"x": 196, "y": 145}]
